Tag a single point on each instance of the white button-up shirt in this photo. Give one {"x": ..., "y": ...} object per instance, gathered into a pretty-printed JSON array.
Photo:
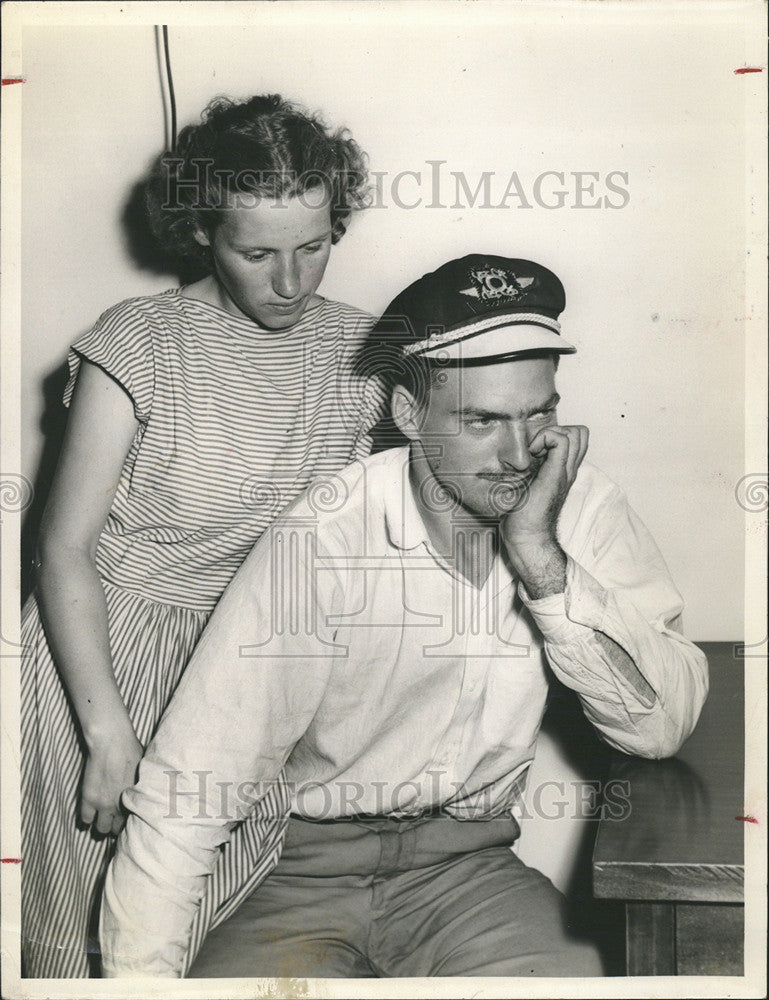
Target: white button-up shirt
[{"x": 348, "y": 651}]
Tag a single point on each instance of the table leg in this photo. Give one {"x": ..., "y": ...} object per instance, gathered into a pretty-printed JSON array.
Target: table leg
[
  {"x": 651, "y": 939},
  {"x": 710, "y": 939}
]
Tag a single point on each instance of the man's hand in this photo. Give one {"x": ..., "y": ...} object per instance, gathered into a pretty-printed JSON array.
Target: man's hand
[
  {"x": 529, "y": 533},
  {"x": 560, "y": 450}
]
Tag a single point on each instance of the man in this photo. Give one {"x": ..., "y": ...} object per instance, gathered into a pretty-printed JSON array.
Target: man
[{"x": 388, "y": 643}]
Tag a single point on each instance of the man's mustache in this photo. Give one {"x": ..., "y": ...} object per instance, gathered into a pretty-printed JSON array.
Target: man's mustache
[
  {"x": 505, "y": 477},
  {"x": 512, "y": 479},
  {"x": 507, "y": 492}
]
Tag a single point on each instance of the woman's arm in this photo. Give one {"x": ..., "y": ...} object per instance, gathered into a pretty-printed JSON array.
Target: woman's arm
[{"x": 99, "y": 432}]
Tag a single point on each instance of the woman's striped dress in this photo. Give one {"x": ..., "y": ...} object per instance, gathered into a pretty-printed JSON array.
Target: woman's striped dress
[{"x": 234, "y": 422}]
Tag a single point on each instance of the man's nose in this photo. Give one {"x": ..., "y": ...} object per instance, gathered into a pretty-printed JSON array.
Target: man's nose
[
  {"x": 514, "y": 453},
  {"x": 285, "y": 277}
]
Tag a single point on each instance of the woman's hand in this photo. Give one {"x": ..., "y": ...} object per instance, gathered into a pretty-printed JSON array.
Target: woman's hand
[{"x": 110, "y": 769}]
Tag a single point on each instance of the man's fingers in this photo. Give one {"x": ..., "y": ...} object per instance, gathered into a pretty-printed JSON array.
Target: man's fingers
[
  {"x": 583, "y": 437},
  {"x": 550, "y": 439},
  {"x": 563, "y": 447},
  {"x": 578, "y": 440},
  {"x": 584, "y": 441},
  {"x": 571, "y": 449},
  {"x": 118, "y": 822}
]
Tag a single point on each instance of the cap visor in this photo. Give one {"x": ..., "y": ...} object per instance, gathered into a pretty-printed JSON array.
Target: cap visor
[{"x": 499, "y": 342}]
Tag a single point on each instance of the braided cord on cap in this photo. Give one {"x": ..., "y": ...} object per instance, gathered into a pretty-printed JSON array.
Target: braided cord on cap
[{"x": 481, "y": 326}]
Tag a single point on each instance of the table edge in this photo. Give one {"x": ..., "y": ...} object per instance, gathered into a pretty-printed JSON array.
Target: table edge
[{"x": 668, "y": 882}]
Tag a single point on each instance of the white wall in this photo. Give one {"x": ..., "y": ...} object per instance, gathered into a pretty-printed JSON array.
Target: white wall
[{"x": 655, "y": 290}]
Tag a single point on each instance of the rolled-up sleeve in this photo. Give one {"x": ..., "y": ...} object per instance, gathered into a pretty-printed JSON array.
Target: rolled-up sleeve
[
  {"x": 647, "y": 698},
  {"x": 240, "y": 708}
]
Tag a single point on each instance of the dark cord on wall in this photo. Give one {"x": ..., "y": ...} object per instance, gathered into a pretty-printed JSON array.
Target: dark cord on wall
[{"x": 171, "y": 95}]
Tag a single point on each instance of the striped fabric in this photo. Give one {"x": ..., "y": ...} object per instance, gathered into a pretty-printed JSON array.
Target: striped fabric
[
  {"x": 234, "y": 425},
  {"x": 235, "y": 422}
]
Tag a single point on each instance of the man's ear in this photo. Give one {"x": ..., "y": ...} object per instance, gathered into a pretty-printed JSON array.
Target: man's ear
[
  {"x": 406, "y": 412},
  {"x": 201, "y": 237}
]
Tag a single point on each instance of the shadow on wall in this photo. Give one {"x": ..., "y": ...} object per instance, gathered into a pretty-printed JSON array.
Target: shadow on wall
[
  {"x": 51, "y": 427},
  {"x": 148, "y": 256},
  {"x": 142, "y": 244},
  {"x": 581, "y": 752}
]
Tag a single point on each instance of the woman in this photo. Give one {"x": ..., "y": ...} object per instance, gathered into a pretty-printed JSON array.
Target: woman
[{"x": 195, "y": 416}]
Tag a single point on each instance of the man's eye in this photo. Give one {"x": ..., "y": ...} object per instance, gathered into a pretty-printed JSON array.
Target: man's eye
[
  {"x": 543, "y": 414},
  {"x": 314, "y": 247},
  {"x": 481, "y": 423},
  {"x": 253, "y": 257}
]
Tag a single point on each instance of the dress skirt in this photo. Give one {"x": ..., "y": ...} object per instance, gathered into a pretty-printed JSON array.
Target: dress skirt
[{"x": 64, "y": 864}]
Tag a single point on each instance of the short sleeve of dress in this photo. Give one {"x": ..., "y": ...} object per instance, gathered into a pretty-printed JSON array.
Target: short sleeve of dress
[{"x": 121, "y": 344}]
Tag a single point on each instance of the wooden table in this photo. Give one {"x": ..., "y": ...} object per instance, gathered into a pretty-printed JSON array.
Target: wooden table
[{"x": 677, "y": 858}]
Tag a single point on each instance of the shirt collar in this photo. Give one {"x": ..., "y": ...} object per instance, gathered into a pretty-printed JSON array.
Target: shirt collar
[{"x": 405, "y": 527}]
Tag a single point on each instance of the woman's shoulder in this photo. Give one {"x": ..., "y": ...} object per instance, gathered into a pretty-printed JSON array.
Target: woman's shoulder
[
  {"x": 342, "y": 323},
  {"x": 159, "y": 306},
  {"x": 334, "y": 310},
  {"x": 124, "y": 342}
]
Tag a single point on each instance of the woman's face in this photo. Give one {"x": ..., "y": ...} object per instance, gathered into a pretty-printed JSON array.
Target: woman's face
[{"x": 270, "y": 256}]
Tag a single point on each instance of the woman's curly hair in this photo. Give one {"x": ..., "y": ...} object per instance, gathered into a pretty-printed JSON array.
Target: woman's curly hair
[{"x": 264, "y": 146}]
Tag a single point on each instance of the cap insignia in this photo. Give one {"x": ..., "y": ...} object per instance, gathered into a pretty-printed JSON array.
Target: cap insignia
[{"x": 493, "y": 283}]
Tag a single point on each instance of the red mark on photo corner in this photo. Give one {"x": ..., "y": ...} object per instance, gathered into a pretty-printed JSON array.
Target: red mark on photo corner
[
  {"x": 11, "y": 861},
  {"x": 748, "y": 69},
  {"x": 747, "y": 819},
  {"x": 8, "y": 80}
]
